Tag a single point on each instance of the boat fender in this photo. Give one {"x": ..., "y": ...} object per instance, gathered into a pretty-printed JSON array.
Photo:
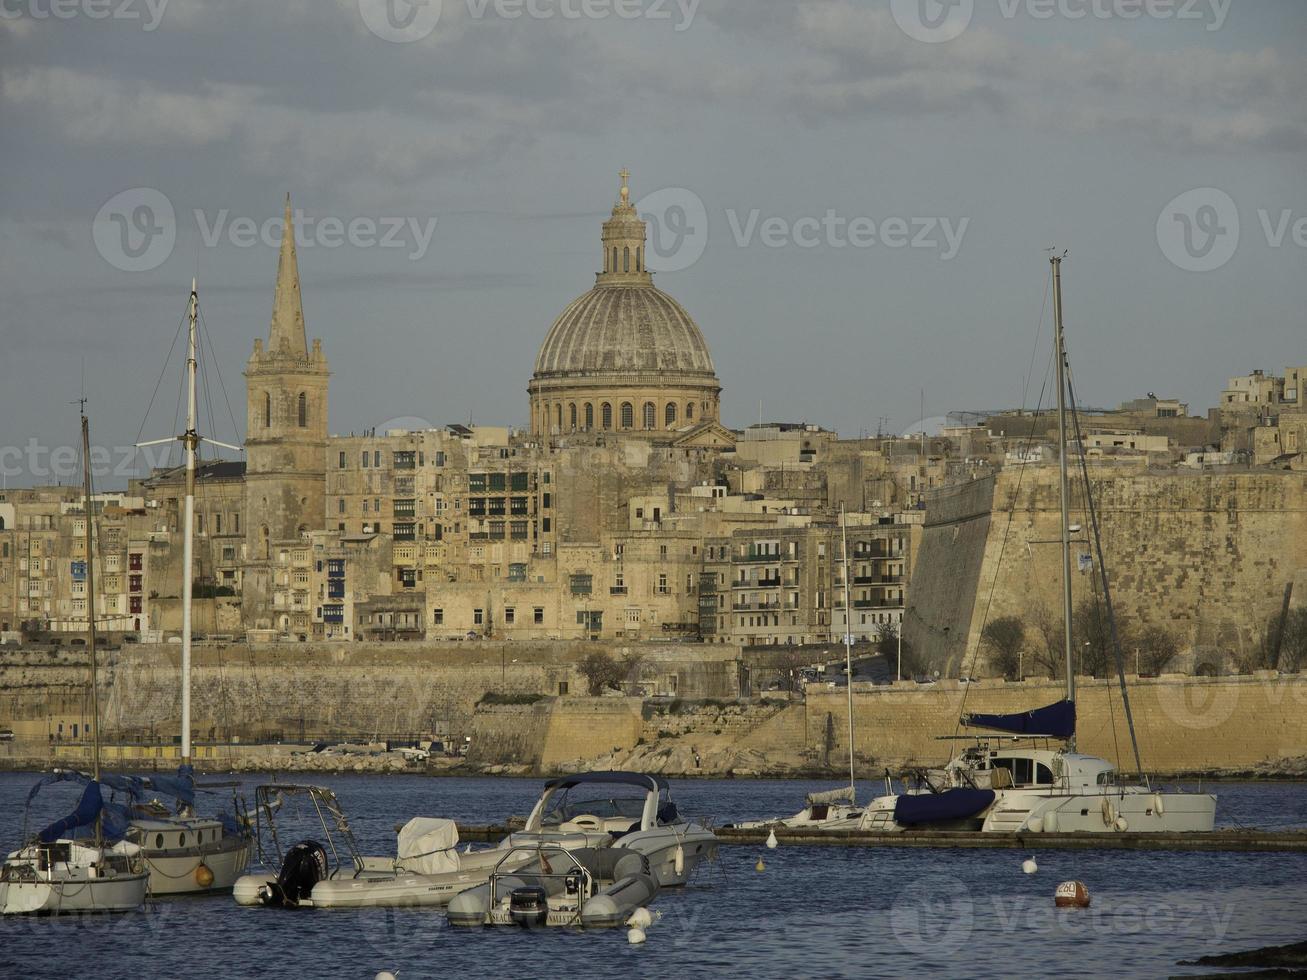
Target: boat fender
[
  {"x": 1050, "y": 821},
  {"x": 1157, "y": 804},
  {"x": 642, "y": 918},
  {"x": 1109, "y": 814},
  {"x": 678, "y": 860},
  {"x": 635, "y": 936},
  {"x": 1121, "y": 824},
  {"x": 1035, "y": 825},
  {"x": 204, "y": 875}
]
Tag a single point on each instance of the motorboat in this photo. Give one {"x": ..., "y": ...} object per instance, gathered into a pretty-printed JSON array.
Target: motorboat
[
  {"x": 1014, "y": 781},
  {"x": 630, "y": 810},
  {"x": 585, "y": 887},
  {"x": 834, "y": 809}
]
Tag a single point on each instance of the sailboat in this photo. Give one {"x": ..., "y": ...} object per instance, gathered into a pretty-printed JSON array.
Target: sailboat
[
  {"x": 1009, "y": 782},
  {"x": 185, "y": 853},
  {"x": 58, "y": 872},
  {"x": 835, "y": 809}
]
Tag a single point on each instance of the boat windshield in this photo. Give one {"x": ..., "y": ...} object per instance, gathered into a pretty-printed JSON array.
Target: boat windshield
[{"x": 598, "y": 801}]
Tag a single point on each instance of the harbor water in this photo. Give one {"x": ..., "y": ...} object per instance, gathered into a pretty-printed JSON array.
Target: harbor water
[{"x": 811, "y": 911}]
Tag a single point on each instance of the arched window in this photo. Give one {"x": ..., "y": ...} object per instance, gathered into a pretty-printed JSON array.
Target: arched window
[
  {"x": 650, "y": 415},
  {"x": 639, "y": 258},
  {"x": 571, "y": 411},
  {"x": 267, "y": 409},
  {"x": 689, "y": 412},
  {"x": 266, "y": 543},
  {"x": 670, "y": 414},
  {"x": 303, "y": 410},
  {"x": 558, "y": 415},
  {"x": 613, "y": 267},
  {"x": 626, "y": 259},
  {"x": 589, "y": 416},
  {"x": 628, "y": 415},
  {"x": 606, "y": 415}
]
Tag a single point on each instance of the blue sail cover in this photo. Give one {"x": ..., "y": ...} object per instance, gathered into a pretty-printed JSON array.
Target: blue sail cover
[
  {"x": 139, "y": 789},
  {"x": 1052, "y": 721},
  {"x": 952, "y": 804},
  {"x": 81, "y": 822}
]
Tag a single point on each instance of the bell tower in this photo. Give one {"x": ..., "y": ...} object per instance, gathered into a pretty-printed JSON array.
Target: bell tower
[{"x": 286, "y": 437}]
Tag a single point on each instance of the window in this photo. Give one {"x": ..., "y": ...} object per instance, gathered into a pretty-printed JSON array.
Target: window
[
  {"x": 342, "y": 460},
  {"x": 662, "y": 584},
  {"x": 267, "y": 410},
  {"x": 581, "y": 583},
  {"x": 510, "y": 614},
  {"x": 571, "y": 411},
  {"x": 340, "y": 506},
  {"x": 606, "y": 415},
  {"x": 628, "y": 415},
  {"x": 376, "y": 458},
  {"x": 546, "y": 525},
  {"x": 518, "y": 530},
  {"x": 538, "y": 616},
  {"x": 438, "y": 617},
  {"x": 478, "y": 616},
  {"x": 517, "y": 572},
  {"x": 303, "y": 410},
  {"x": 545, "y": 501},
  {"x": 650, "y": 415},
  {"x": 589, "y": 416},
  {"x": 689, "y": 412},
  {"x": 670, "y": 415},
  {"x": 365, "y": 459}
]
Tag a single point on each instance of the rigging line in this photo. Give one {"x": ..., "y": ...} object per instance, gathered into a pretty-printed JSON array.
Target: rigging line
[
  {"x": 1111, "y": 705},
  {"x": 993, "y": 585},
  {"x": 1102, "y": 571},
  {"x": 1034, "y": 350},
  {"x": 217, "y": 367},
  {"x": 159, "y": 383}
]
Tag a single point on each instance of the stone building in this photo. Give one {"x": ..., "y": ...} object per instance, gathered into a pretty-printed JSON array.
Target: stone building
[{"x": 625, "y": 356}]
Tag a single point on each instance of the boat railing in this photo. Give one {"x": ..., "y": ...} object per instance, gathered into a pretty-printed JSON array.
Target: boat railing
[
  {"x": 268, "y": 799},
  {"x": 585, "y": 883}
]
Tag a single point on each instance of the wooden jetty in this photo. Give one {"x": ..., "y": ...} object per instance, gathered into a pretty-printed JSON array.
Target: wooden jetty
[{"x": 1216, "y": 840}]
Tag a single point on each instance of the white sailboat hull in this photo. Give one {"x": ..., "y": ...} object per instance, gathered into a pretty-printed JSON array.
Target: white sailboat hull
[{"x": 73, "y": 894}]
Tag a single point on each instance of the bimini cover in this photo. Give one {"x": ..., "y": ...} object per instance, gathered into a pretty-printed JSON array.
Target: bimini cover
[
  {"x": 952, "y": 804},
  {"x": 844, "y": 795},
  {"x": 1053, "y": 721},
  {"x": 426, "y": 846}
]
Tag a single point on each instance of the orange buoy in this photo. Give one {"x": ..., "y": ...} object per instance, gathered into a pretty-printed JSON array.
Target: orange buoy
[
  {"x": 1071, "y": 895},
  {"x": 204, "y": 876}
]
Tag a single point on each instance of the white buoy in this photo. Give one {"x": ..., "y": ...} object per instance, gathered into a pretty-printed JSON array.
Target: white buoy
[
  {"x": 772, "y": 842},
  {"x": 640, "y": 919},
  {"x": 386, "y": 975},
  {"x": 635, "y": 936},
  {"x": 1029, "y": 866}
]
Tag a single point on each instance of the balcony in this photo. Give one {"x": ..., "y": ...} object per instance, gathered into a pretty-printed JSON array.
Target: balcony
[{"x": 617, "y": 590}]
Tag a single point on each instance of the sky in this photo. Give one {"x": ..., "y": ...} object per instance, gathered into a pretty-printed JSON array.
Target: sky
[{"x": 854, "y": 198}]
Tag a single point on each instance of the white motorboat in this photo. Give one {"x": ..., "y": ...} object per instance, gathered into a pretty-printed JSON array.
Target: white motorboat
[
  {"x": 834, "y": 809},
  {"x": 55, "y": 873},
  {"x": 586, "y": 887},
  {"x": 630, "y": 810},
  {"x": 1001, "y": 787}
]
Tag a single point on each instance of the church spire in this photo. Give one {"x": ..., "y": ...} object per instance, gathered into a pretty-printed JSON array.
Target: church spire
[
  {"x": 287, "y": 332},
  {"x": 624, "y": 241}
]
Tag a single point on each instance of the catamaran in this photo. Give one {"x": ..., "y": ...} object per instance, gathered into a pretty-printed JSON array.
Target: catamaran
[
  {"x": 80, "y": 863},
  {"x": 1012, "y": 783}
]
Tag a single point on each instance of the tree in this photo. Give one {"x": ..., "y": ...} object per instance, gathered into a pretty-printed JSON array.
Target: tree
[
  {"x": 1157, "y": 648},
  {"x": 1005, "y": 637},
  {"x": 1048, "y": 652},
  {"x": 631, "y": 666},
  {"x": 601, "y": 672},
  {"x": 1091, "y": 632}
]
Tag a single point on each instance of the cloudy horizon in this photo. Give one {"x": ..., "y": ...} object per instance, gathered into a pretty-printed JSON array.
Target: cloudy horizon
[{"x": 853, "y": 199}]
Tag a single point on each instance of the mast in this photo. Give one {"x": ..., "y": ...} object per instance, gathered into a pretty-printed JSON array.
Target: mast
[
  {"x": 90, "y": 600},
  {"x": 190, "y": 440},
  {"x": 1060, "y": 354},
  {"x": 848, "y": 644}
]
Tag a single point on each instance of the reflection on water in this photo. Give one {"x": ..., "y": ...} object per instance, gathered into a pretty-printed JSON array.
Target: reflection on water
[{"x": 813, "y": 912}]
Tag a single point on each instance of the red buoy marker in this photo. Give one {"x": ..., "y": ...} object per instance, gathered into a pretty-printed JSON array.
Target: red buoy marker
[{"x": 1071, "y": 895}]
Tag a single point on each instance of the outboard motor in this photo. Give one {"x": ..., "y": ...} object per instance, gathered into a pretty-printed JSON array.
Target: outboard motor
[
  {"x": 305, "y": 865},
  {"x": 528, "y": 906}
]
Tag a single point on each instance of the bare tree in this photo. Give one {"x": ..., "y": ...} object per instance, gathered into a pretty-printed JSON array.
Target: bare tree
[
  {"x": 1005, "y": 637},
  {"x": 1047, "y": 651},
  {"x": 1157, "y": 647},
  {"x": 601, "y": 672}
]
